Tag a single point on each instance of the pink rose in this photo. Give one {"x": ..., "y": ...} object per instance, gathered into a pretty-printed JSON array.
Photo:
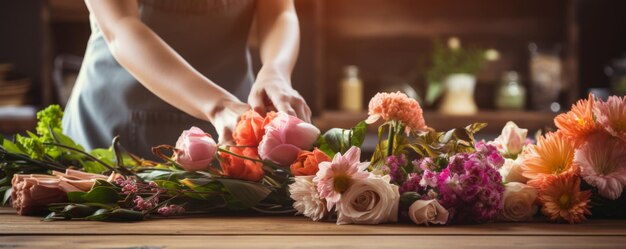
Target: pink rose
[
  {"x": 195, "y": 150},
  {"x": 285, "y": 137}
]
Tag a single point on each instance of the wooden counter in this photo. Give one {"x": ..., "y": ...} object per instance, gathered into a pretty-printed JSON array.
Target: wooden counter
[{"x": 246, "y": 231}]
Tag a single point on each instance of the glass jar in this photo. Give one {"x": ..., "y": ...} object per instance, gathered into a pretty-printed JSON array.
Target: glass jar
[
  {"x": 511, "y": 94},
  {"x": 545, "y": 77}
]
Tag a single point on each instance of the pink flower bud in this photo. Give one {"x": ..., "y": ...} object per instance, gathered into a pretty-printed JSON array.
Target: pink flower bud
[
  {"x": 285, "y": 137},
  {"x": 195, "y": 149},
  {"x": 512, "y": 139}
]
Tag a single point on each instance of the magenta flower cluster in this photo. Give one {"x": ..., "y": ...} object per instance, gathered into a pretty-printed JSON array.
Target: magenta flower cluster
[
  {"x": 393, "y": 168},
  {"x": 472, "y": 186},
  {"x": 469, "y": 184}
]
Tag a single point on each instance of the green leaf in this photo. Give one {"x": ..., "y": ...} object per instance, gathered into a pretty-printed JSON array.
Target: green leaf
[
  {"x": 118, "y": 214},
  {"x": 248, "y": 193},
  {"x": 357, "y": 136},
  {"x": 407, "y": 198},
  {"x": 166, "y": 175},
  {"x": 10, "y": 146},
  {"x": 105, "y": 155},
  {"x": 169, "y": 185},
  {"x": 93, "y": 167},
  {"x": 7, "y": 196},
  {"x": 65, "y": 140},
  {"x": 335, "y": 139},
  {"x": 98, "y": 195}
]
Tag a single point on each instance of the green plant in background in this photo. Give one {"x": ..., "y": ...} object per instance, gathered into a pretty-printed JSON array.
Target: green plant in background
[{"x": 451, "y": 58}]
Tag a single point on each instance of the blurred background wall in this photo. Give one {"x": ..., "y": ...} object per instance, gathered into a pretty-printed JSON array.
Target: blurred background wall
[{"x": 390, "y": 42}]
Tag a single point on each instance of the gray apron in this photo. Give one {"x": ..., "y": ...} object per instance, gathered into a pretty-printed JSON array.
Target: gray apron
[{"x": 107, "y": 101}]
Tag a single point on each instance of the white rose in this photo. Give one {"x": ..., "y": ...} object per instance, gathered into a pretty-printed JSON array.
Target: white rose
[
  {"x": 306, "y": 198},
  {"x": 511, "y": 171},
  {"x": 519, "y": 202},
  {"x": 369, "y": 201},
  {"x": 428, "y": 212}
]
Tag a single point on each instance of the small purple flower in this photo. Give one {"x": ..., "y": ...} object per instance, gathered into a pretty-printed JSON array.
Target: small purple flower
[
  {"x": 412, "y": 184},
  {"x": 427, "y": 164},
  {"x": 170, "y": 210},
  {"x": 143, "y": 204},
  {"x": 129, "y": 185},
  {"x": 429, "y": 179},
  {"x": 393, "y": 167}
]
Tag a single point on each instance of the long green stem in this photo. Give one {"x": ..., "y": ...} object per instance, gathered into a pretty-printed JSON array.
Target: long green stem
[
  {"x": 390, "y": 139},
  {"x": 124, "y": 171}
]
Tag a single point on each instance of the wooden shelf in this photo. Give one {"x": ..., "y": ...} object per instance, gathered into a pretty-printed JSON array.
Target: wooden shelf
[{"x": 530, "y": 120}]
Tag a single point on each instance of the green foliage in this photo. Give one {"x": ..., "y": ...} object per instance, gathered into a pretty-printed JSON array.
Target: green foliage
[
  {"x": 445, "y": 144},
  {"x": 246, "y": 194},
  {"x": 93, "y": 211},
  {"x": 338, "y": 140},
  {"x": 100, "y": 194}
]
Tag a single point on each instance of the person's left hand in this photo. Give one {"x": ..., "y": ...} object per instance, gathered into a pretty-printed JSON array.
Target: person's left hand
[{"x": 275, "y": 93}]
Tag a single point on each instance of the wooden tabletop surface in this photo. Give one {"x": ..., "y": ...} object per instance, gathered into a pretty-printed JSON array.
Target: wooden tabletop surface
[{"x": 247, "y": 231}]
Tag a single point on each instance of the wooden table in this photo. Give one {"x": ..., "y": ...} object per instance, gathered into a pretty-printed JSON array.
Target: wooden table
[{"x": 297, "y": 232}]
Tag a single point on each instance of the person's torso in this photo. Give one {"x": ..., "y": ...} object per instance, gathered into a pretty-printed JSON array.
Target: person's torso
[{"x": 107, "y": 101}]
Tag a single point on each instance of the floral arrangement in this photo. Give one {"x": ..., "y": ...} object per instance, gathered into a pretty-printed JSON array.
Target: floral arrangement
[{"x": 282, "y": 165}]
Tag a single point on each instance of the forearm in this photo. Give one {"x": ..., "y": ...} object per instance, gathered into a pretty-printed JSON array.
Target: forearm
[
  {"x": 162, "y": 71},
  {"x": 279, "y": 34}
]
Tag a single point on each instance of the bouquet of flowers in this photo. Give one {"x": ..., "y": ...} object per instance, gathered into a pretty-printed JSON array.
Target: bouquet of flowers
[{"x": 283, "y": 165}]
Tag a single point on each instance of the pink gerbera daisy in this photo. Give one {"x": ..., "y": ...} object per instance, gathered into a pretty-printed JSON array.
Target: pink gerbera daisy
[
  {"x": 333, "y": 178},
  {"x": 612, "y": 116},
  {"x": 602, "y": 160}
]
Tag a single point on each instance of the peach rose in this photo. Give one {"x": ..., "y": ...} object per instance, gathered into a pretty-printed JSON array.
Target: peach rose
[
  {"x": 251, "y": 128},
  {"x": 307, "y": 162},
  {"x": 239, "y": 168},
  {"x": 32, "y": 193},
  {"x": 195, "y": 150},
  {"x": 285, "y": 137},
  {"x": 428, "y": 212},
  {"x": 518, "y": 202}
]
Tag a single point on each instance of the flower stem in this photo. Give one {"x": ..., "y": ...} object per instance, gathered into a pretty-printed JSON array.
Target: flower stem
[
  {"x": 240, "y": 156},
  {"x": 390, "y": 139}
]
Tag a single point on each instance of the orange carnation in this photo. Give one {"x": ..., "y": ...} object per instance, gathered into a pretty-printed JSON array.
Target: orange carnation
[
  {"x": 239, "y": 168},
  {"x": 307, "y": 162},
  {"x": 251, "y": 128}
]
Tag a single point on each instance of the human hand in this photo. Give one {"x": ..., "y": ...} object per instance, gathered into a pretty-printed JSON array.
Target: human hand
[
  {"x": 225, "y": 117},
  {"x": 274, "y": 93}
]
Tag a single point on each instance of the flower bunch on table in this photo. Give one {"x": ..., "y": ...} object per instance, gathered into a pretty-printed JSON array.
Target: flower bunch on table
[
  {"x": 582, "y": 162},
  {"x": 415, "y": 174}
]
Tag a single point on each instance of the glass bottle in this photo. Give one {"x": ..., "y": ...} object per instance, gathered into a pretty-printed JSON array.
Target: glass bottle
[
  {"x": 511, "y": 94},
  {"x": 351, "y": 90}
]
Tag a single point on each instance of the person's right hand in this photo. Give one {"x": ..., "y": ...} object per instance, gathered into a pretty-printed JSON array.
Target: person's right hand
[{"x": 225, "y": 117}]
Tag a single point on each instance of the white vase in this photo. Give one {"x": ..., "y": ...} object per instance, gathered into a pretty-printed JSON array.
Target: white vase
[{"x": 459, "y": 96}]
